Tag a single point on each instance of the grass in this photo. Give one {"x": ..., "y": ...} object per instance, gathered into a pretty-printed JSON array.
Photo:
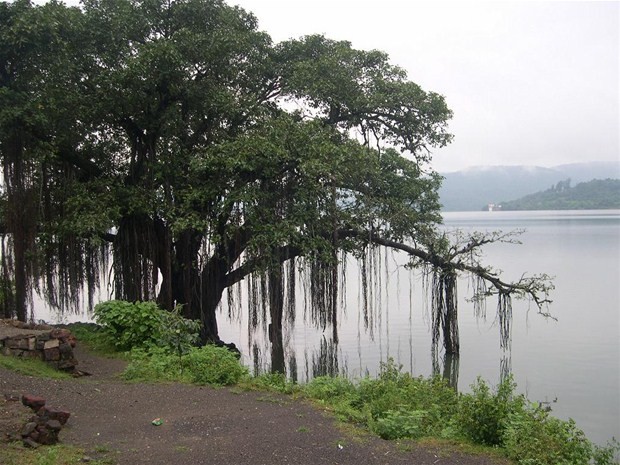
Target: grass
[
  {"x": 97, "y": 340},
  {"x": 17, "y": 454},
  {"x": 31, "y": 367}
]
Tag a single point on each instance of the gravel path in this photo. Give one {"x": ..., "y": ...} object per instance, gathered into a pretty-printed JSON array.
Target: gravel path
[{"x": 203, "y": 426}]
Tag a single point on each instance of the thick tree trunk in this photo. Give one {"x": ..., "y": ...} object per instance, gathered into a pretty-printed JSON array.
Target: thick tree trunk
[{"x": 213, "y": 282}]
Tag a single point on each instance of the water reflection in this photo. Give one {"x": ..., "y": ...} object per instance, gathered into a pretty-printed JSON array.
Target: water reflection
[{"x": 279, "y": 356}]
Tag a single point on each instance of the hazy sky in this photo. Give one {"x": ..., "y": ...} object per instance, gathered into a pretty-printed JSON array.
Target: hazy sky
[{"x": 534, "y": 83}]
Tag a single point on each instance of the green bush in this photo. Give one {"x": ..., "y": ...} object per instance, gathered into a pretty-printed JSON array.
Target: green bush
[
  {"x": 533, "y": 437},
  {"x": 130, "y": 325},
  {"x": 328, "y": 388},
  {"x": 201, "y": 365},
  {"x": 396, "y": 424},
  {"x": 482, "y": 416},
  {"x": 401, "y": 406},
  {"x": 144, "y": 324},
  {"x": 213, "y": 365}
]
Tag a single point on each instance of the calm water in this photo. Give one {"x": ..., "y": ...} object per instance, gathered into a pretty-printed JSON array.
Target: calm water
[
  {"x": 573, "y": 362},
  {"x": 575, "y": 359}
]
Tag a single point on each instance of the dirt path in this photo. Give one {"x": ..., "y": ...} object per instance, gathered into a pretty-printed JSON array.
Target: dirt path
[{"x": 204, "y": 426}]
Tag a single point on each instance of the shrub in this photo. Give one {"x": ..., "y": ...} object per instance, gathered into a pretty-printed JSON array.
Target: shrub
[
  {"x": 330, "y": 388},
  {"x": 401, "y": 406},
  {"x": 212, "y": 365},
  {"x": 144, "y": 324},
  {"x": 396, "y": 424},
  {"x": 130, "y": 325},
  {"x": 482, "y": 416},
  {"x": 532, "y": 437}
]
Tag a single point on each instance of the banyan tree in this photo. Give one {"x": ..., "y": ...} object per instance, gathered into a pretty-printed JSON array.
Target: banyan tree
[{"x": 171, "y": 142}]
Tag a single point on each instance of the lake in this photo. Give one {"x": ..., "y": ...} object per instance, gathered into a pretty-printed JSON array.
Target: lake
[{"x": 572, "y": 363}]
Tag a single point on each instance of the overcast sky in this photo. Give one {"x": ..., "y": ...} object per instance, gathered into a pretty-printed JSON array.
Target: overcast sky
[{"x": 532, "y": 83}]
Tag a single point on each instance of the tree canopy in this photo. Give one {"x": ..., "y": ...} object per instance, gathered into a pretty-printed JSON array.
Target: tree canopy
[{"x": 174, "y": 137}]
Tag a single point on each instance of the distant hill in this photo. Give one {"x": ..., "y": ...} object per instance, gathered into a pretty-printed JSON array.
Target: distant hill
[
  {"x": 470, "y": 189},
  {"x": 592, "y": 195}
]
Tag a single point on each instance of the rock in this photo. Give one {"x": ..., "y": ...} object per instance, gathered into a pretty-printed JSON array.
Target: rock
[
  {"x": 52, "y": 354},
  {"x": 54, "y": 425},
  {"x": 29, "y": 442},
  {"x": 34, "y": 402},
  {"x": 54, "y": 414},
  {"x": 28, "y": 429},
  {"x": 51, "y": 344}
]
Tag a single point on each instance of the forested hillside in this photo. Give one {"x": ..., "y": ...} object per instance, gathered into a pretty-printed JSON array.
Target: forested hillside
[
  {"x": 469, "y": 189},
  {"x": 592, "y": 195}
]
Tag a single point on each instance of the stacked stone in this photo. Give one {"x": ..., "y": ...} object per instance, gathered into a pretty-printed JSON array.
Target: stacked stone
[
  {"x": 54, "y": 347},
  {"x": 45, "y": 425}
]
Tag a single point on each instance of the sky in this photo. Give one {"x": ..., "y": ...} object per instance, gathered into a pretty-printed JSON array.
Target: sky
[{"x": 530, "y": 83}]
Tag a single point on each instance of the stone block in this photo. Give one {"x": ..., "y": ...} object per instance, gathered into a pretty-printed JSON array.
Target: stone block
[
  {"x": 17, "y": 342},
  {"x": 60, "y": 415},
  {"x": 34, "y": 402},
  {"x": 52, "y": 355},
  {"x": 51, "y": 344},
  {"x": 54, "y": 425}
]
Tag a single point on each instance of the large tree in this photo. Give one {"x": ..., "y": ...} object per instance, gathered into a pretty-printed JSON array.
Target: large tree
[{"x": 174, "y": 134}]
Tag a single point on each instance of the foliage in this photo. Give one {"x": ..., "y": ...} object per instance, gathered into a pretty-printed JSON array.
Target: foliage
[
  {"x": 483, "y": 415},
  {"x": 402, "y": 406},
  {"x": 533, "y": 437},
  {"x": 130, "y": 325},
  {"x": 144, "y": 324},
  {"x": 178, "y": 333},
  {"x": 213, "y": 365},
  {"x": 269, "y": 382},
  {"x": 31, "y": 367},
  {"x": 209, "y": 364},
  {"x": 592, "y": 195},
  {"x": 96, "y": 338},
  {"x": 396, "y": 405}
]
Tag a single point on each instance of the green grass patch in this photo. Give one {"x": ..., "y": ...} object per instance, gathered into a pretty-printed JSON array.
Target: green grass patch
[
  {"x": 96, "y": 339},
  {"x": 271, "y": 382},
  {"x": 31, "y": 367},
  {"x": 17, "y": 454}
]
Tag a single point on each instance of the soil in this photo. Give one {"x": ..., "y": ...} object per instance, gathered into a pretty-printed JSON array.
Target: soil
[{"x": 201, "y": 425}]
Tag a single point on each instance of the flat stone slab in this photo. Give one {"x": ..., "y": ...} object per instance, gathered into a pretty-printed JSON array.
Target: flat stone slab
[{"x": 10, "y": 328}]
